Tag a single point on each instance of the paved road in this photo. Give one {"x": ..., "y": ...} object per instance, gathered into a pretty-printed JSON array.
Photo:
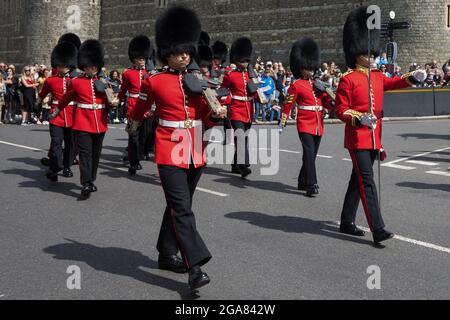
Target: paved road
[{"x": 268, "y": 240}]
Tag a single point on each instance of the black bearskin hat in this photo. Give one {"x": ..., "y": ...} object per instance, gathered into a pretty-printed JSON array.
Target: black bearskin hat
[
  {"x": 242, "y": 49},
  {"x": 177, "y": 30},
  {"x": 220, "y": 51},
  {"x": 65, "y": 54},
  {"x": 91, "y": 54},
  {"x": 140, "y": 47},
  {"x": 205, "y": 39},
  {"x": 72, "y": 38},
  {"x": 204, "y": 56},
  {"x": 305, "y": 55},
  {"x": 356, "y": 39}
]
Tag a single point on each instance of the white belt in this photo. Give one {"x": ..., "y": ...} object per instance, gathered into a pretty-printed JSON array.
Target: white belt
[
  {"x": 311, "y": 108},
  {"x": 239, "y": 98},
  {"x": 56, "y": 102},
  {"x": 132, "y": 95},
  {"x": 91, "y": 106},
  {"x": 180, "y": 124}
]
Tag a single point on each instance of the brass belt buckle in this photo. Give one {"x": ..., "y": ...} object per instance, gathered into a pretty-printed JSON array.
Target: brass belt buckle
[{"x": 188, "y": 123}]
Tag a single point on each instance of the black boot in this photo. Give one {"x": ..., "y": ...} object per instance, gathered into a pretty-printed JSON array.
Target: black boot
[
  {"x": 235, "y": 169},
  {"x": 197, "y": 278},
  {"x": 67, "y": 173},
  {"x": 132, "y": 170},
  {"x": 245, "y": 172},
  {"x": 86, "y": 191},
  {"x": 94, "y": 187},
  {"x": 382, "y": 235},
  {"x": 45, "y": 162},
  {"x": 312, "y": 191},
  {"x": 171, "y": 263},
  {"x": 52, "y": 176},
  {"x": 351, "y": 229}
]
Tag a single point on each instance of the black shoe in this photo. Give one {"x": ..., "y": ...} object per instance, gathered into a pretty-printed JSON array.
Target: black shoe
[
  {"x": 45, "y": 162},
  {"x": 312, "y": 191},
  {"x": 86, "y": 192},
  {"x": 198, "y": 279},
  {"x": 52, "y": 176},
  {"x": 132, "y": 170},
  {"x": 171, "y": 263},
  {"x": 245, "y": 172},
  {"x": 139, "y": 167},
  {"x": 351, "y": 229},
  {"x": 235, "y": 170},
  {"x": 94, "y": 187},
  {"x": 67, "y": 173},
  {"x": 382, "y": 235}
]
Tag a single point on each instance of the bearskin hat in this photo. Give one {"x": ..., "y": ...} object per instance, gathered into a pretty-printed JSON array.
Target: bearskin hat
[
  {"x": 140, "y": 47},
  {"x": 220, "y": 51},
  {"x": 177, "y": 30},
  {"x": 205, "y": 39},
  {"x": 204, "y": 56},
  {"x": 65, "y": 54},
  {"x": 242, "y": 49},
  {"x": 91, "y": 54},
  {"x": 71, "y": 38},
  {"x": 305, "y": 55},
  {"x": 356, "y": 38}
]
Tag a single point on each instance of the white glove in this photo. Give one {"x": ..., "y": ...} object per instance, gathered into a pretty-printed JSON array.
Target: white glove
[
  {"x": 420, "y": 75},
  {"x": 369, "y": 121}
]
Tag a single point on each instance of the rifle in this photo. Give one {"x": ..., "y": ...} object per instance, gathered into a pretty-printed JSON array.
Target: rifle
[{"x": 254, "y": 77}]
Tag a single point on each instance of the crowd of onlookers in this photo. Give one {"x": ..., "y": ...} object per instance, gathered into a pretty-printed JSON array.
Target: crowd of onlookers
[{"x": 19, "y": 89}]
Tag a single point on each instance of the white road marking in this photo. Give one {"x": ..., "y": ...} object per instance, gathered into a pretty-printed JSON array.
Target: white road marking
[
  {"x": 417, "y": 155},
  {"x": 20, "y": 146},
  {"x": 439, "y": 173},
  {"x": 346, "y": 159},
  {"x": 289, "y": 151},
  {"x": 114, "y": 168},
  {"x": 326, "y": 157},
  {"x": 397, "y": 166},
  {"x": 413, "y": 241},
  {"x": 423, "y": 163},
  {"x": 2, "y": 295}
]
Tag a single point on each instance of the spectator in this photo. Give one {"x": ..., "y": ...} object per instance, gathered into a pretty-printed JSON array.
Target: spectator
[
  {"x": 42, "y": 111},
  {"x": 3, "y": 70},
  {"x": 29, "y": 94},
  {"x": 383, "y": 69},
  {"x": 323, "y": 70},
  {"x": 268, "y": 87},
  {"x": 446, "y": 78},
  {"x": 11, "y": 99},
  {"x": 117, "y": 113},
  {"x": 398, "y": 72},
  {"x": 2, "y": 97},
  {"x": 382, "y": 60}
]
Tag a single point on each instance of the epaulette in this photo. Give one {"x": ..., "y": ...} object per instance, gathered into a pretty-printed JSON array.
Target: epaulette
[{"x": 348, "y": 72}]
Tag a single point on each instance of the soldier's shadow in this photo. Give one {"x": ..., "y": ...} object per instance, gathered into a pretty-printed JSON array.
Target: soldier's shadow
[
  {"x": 118, "y": 261},
  {"x": 37, "y": 179},
  {"x": 291, "y": 224}
]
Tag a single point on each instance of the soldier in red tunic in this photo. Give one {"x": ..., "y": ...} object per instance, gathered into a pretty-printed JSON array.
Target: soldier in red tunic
[
  {"x": 59, "y": 55},
  {"x": 90, "y": 115},
  {"x": 139, "y": 52},
  {"x": 179, "y": 145},
  {"x": 304, "y": 61},
  {"x": 64, "y": 62},
  {"x": 243, "y": 91},
  {"x": 363, "y": 115}
]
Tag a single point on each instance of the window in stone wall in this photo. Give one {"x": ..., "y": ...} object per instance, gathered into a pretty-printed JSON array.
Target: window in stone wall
[
  {"x": 448, "y": 16},
  {"x": 94, "y": 2},
  {"x": 161, "y": 3},
  {"x": 17, "y": 25}
]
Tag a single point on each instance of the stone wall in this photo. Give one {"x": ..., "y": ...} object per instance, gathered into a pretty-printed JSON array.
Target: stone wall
[{"x": 30, "y": 28}]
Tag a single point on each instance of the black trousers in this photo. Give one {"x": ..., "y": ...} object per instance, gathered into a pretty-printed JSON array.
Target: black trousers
[
  {"x": 308, "y": 173},
  {"x": 60, "y": 158},
  {"x": 240, "y": 128},
  {"x": 139, "y": 142},
  {"x": 89, "y": 150},
  {"x": 178, "y": 229},
  {"x": 362, "y": 186}
]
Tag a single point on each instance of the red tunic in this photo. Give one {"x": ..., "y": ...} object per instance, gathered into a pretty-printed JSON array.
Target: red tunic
[
  {"x": 90, "y": 110},
  {"x": 305, "y": 95},
  {"x": 57, "y": 86},
  {"x": 236, "y": 82},
  {"x": 352, "y": 103},
  {"x": 174, "y": 146},
  {"x": 132, "y": 79}
]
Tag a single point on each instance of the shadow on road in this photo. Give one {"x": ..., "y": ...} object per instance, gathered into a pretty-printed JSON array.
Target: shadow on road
[
  {"x": 295, "y": 225},
  {"x": 425, "y": 186},
  {"x": 118, "y": 261},
  {"x": 425, "y": 136}
]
